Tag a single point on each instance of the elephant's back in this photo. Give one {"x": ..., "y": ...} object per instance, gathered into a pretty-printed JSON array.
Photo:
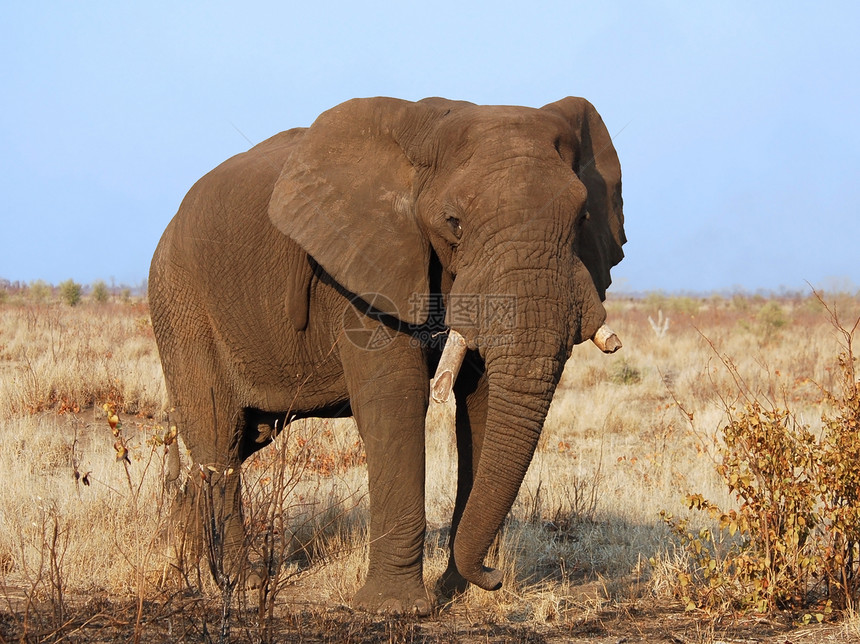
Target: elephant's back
[
  {"x": 222, "y": 263},
  {"x": 238, "y": 187},
  {"x": 225, "y": 211}
]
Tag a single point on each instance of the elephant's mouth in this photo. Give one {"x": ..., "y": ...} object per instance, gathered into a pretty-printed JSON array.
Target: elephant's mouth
[{"x": 455, "y": 351}]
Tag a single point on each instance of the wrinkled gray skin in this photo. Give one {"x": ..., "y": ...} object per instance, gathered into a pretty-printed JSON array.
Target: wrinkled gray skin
[{"x": 252, "y": 291}]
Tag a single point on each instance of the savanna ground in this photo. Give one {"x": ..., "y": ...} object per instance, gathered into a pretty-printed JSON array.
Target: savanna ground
[{"x": 587, "y": 555}]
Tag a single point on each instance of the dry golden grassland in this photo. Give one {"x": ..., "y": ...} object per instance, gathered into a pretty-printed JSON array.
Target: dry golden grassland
[{"x": 586, "y": 553}]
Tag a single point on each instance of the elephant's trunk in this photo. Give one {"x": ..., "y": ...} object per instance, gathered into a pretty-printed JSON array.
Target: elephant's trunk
[
  {"x": 520, "y": 391},
  {"x": 524, "y": 354}
]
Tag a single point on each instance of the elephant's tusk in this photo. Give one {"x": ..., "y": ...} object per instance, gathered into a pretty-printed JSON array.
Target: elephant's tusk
[
  {"x": 449, "y": 367},
  {"x": 606, "y": 340}
]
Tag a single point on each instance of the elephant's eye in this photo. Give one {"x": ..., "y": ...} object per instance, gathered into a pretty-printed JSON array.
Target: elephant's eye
[
  {"x": 454, "y": 225},
  {"x": 584, "y": 216}
]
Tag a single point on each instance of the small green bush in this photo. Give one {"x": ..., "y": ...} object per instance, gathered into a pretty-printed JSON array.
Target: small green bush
[
  {"x": 625, "y": 374},
  {"x": 100, "y": 292},
  {"x": 656, "y": 300},
  {"x": 771, "y": 317},
  {"x": 40, "y": 290},
  {"x": 70, "y": 292},
  {"x": 684, "y": 305}
]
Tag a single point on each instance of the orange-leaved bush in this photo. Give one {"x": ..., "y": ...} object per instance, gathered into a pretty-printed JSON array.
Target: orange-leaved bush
[{"x": 793, "y": 541}]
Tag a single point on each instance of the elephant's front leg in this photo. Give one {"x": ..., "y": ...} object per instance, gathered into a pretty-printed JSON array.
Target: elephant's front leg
[
  {"x": 471, "y": 391},
  {"x": 388, "y": 388}
]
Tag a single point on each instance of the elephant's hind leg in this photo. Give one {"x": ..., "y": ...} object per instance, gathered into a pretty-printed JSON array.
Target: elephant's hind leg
[
  {"x": 388, "y": 390},
  {"x": 209, "y": 510},
  {"x": 207, "y": 514}
]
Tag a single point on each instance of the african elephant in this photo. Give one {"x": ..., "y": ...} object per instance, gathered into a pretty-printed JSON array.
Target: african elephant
[{"x": 316, "y": 274}]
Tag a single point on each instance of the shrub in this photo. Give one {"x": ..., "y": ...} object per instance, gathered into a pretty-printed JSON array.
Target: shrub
[
  {"x": 684, "y": 305},
  {"x": 625, "y": 374},
  {"x": 838, "y": 481},
  {"x": 761, "y": 556},
  {"x": 771, "y": 317},
  {"x": 656, "y": 300},
  {"x": 40, "y": 290},
  {"x": 70, "y": 292},
  {"x": 100, "y": 292},
  {"x": 794, "y": 539}
]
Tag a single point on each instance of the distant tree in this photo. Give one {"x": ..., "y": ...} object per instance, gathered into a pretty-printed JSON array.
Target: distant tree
[
  {"x": 771, "y": 317},
  {"x": 70, "y": 292},
  {"x": 40, "y": 290},
  {"x": 100, "y": 292}
]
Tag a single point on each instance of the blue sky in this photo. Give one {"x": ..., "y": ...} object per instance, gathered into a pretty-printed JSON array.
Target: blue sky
[{"x": 736, "y": 123}]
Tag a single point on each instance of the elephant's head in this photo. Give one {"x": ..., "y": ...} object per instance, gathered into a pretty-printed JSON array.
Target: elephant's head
[{"x": 522, "y": 208}]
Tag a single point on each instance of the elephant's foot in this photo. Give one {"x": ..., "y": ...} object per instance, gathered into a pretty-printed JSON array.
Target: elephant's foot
[
  {"x": 388, "y": 596},
  {"x": 451, "y": 584}
]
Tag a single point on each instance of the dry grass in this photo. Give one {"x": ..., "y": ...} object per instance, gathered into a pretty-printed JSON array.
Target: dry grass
[
  {"x": 627, "y": 436},
  {"x": 66, "y": 359}
]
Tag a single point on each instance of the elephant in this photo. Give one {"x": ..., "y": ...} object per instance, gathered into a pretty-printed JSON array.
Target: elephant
[{"x": 319, "y": 273}]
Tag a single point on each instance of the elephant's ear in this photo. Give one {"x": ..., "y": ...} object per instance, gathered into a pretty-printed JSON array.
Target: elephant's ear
[
  {"x": 345, "y": 195},
  {"x": 596, "y": 164}
]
